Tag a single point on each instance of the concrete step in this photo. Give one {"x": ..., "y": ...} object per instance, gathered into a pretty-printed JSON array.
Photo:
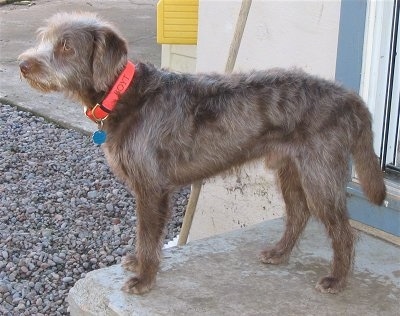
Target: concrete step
[{"x": 221, "y": 275}]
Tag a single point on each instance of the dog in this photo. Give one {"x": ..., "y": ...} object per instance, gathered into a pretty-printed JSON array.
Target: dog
[{"x": 163, "y": 130}]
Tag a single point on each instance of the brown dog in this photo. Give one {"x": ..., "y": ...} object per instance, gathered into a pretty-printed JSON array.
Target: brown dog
[{"x": 164, "y": 130}]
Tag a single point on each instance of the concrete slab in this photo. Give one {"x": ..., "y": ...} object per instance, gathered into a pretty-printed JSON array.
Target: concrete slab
[
  {"x": 18, "y": 24},
  {"x": 222, "y": 276}
]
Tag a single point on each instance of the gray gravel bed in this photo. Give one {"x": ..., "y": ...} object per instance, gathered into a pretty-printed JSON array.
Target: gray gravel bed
[{"x": 62, "y": 213}]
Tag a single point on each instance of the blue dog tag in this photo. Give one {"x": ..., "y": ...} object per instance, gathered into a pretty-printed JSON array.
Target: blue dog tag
[{"x": 99, "y": 137}]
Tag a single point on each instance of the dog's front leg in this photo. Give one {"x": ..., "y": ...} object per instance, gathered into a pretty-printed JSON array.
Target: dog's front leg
[{"x": 152, "y": 214}]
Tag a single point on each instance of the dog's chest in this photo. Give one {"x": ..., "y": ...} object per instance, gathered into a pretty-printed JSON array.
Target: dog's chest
[{"x": 117, "y": 165}]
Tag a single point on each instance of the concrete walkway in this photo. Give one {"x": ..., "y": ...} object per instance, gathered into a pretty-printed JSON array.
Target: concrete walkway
[
  {"x": 221, "y": 275},
  {"x": 216, "y": 276}
]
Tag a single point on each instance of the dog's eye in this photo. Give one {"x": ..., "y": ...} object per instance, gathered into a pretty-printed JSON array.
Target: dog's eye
[{"x": 66, "y": 47}]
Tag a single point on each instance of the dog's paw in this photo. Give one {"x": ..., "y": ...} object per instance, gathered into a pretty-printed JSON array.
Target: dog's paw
[
  {"x": 136, "y": 285},
  {"x": 329, "y": 284},
  {"x": 130, "y": 263},
  {"x": 273, "y": 256}
]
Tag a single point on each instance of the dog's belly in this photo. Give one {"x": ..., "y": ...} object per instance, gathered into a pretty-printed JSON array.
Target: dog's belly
[{"x": 202, "y": 165}]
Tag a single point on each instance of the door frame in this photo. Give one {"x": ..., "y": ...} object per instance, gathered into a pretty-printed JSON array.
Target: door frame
[{"x": 362, "y": 59}]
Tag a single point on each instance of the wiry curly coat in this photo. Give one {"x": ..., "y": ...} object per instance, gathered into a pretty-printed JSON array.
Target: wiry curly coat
[{"x": 170, "y": 129}]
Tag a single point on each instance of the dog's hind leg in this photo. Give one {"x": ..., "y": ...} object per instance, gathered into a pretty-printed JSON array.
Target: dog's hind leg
[
  {"x": 326, "y": 198},
  {"x": 152, "y": 214},
  {"x": 297, "y": 214}
]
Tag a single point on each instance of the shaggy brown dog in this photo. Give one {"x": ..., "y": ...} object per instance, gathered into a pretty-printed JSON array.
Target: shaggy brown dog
[{"x": 167, "y": 129}]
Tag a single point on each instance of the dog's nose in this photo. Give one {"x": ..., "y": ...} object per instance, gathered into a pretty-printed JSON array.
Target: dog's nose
[{"x": 25, "y": 66}]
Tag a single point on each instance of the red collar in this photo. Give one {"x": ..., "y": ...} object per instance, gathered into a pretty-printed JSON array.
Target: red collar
[{"x": 101, "y": 110}]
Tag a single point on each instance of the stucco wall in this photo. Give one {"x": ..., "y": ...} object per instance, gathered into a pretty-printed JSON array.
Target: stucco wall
[
  {"x": 179, "y": 57},
  {"x": 277, "y": 34}
]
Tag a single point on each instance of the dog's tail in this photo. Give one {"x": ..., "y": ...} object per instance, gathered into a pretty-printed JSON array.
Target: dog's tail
[{"x": 366, "y": 163}]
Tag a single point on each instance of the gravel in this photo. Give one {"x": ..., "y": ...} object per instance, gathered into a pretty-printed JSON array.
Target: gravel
[{"x": 62, "y": 213}]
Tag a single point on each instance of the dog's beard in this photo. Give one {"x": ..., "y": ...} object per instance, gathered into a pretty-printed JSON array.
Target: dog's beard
[{"x": 41, "y": 84}]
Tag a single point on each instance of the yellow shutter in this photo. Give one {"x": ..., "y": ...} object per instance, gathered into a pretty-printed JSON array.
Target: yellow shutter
[{"x": 177, "y": 21}]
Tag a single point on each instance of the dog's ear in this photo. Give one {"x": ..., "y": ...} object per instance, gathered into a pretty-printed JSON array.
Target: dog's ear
[{"x": 109, "y": 57}]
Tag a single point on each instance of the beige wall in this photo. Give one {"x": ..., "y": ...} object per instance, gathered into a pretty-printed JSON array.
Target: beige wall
[
  {"x": 277, "y": 34},
  {"x": 179, "y": 57}
]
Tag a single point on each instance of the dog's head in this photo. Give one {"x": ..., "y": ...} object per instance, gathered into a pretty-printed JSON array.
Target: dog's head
[{"x": 76, "y": 52}]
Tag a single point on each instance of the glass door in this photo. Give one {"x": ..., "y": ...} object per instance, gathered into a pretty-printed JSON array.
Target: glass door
[
  {"x": 390, "y": 136},
  {"x": 380, "y": 88}
]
